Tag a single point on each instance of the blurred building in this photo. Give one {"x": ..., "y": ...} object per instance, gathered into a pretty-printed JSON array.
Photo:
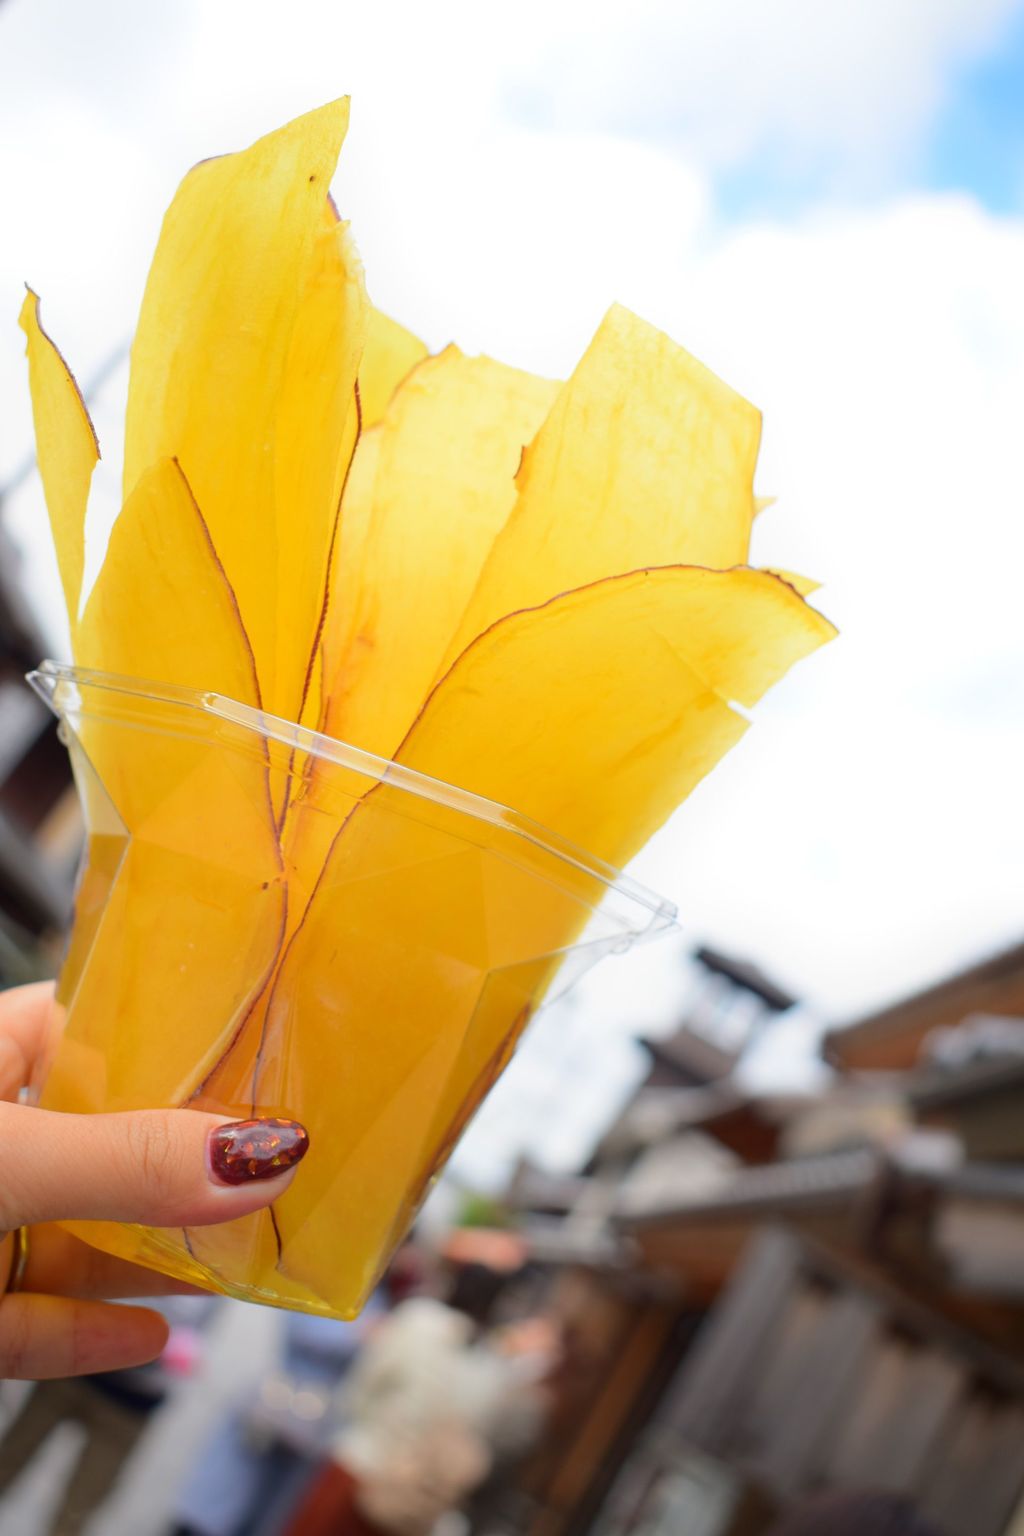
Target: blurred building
[
  {"x": 767, "y": 1296},
  {"x": 40, "y": 827},
  {"x": 892, "y": 1038}
]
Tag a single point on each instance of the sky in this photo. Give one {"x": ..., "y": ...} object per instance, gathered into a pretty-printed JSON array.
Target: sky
[{"x": 826, "y": 205}]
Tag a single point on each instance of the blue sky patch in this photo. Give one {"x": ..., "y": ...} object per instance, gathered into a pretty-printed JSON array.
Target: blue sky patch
[{"x": 978, "y": 143}]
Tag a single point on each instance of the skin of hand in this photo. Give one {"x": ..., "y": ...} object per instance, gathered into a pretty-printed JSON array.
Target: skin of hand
[{"x": 163, "y": 1168}]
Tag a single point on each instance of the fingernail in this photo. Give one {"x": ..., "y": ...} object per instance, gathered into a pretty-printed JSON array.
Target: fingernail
[{"x": 245, "y": 1150}]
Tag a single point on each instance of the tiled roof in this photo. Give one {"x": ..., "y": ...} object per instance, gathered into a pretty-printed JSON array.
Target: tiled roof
[
  {"x": 946, "y": 1002},
  {"x": 746, "y": 975},
  {"x": 801, "y": 1183}
]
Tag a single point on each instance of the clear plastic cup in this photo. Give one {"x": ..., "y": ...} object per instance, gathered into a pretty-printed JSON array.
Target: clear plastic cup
[{"x": 270, "y": 922}]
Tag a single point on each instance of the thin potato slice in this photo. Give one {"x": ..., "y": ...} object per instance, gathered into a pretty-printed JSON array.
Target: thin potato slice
[
  {"x": 348, "y": 563},
  {"x": 162, "y": 608},
  {"x": 444, "y": 484},
  {"x": 182, "y": 837},
  {"x": 306, "y": 839},
  {"x": 227, "y": 342},
  {"x": 317, "y": 429},
  {"x": 66, "y": 449},
  {"x": 805, "y": 585},
  {"x": 646, "y": 459},
  {"x": 391, "y": 353},
  {"x": 597, "y": 714}
]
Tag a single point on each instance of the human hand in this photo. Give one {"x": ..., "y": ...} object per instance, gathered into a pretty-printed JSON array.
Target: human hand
[{"x": 163, "y": 1168}]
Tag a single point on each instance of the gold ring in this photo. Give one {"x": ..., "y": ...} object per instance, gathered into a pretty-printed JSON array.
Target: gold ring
[{"x": 19, "y": 1260}]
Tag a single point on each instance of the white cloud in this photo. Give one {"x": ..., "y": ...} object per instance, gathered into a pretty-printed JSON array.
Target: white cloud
[
  {"x": 867, "y": 832},
  {"x": 848, "y": 88}
]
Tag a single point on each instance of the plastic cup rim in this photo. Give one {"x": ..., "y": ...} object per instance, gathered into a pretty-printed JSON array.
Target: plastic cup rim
[{"x": 50, "y": 677}]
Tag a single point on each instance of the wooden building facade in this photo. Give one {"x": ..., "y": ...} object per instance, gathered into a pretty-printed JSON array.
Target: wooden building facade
[
  {"x": 772, "y": 1321},
  {"x": 40, "y": 826}
]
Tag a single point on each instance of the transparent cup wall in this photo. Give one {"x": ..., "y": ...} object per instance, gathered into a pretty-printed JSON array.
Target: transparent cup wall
[{"x": 269, "y": 922}]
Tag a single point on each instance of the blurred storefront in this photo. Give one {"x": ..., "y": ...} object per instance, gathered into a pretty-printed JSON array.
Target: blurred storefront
[{"x": 764, "y": 1297}]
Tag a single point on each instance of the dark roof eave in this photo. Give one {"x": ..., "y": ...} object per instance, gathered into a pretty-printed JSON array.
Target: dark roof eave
[
  {"x": 939, "y": 1090},
  {"x": 555, "y": 1243},
  {"x": 687, "y": 1053},
  {"x": 747, "y": 975},
  {"x": 805, "y": 1185},
  {"x": 904, "y": 1016},
  {"x": 984, "y": 1183}
]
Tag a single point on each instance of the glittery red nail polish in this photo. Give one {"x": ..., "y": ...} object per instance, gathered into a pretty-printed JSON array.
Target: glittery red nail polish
[{"x": 245, "y": 1150}]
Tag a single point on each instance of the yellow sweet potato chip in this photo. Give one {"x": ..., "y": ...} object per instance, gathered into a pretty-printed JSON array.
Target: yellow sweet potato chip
[
  {"x": 180, "y": 825},
  {"x": 347, "y": 557},
  {"x": 391, "y": 353},
  {"x": 317, "y": 427},
  {"x": 443, "y": 486},
  {"x": 805, "y": 585},
  {"x": 598, "y": 713},
  {"x": 162, "y": 608},
  {"x": 531, "y": 591},
  {"x": 66, "y": 449},
  {"x": 229, "y": 352},
  {"x": 645, "y": 459}
]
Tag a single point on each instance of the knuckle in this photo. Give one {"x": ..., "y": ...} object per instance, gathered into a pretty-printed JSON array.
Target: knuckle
[{"x": 155, "y": 1161}]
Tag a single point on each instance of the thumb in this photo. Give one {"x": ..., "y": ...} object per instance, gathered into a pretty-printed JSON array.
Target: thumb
[{"x": 161, "y": 1167}]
